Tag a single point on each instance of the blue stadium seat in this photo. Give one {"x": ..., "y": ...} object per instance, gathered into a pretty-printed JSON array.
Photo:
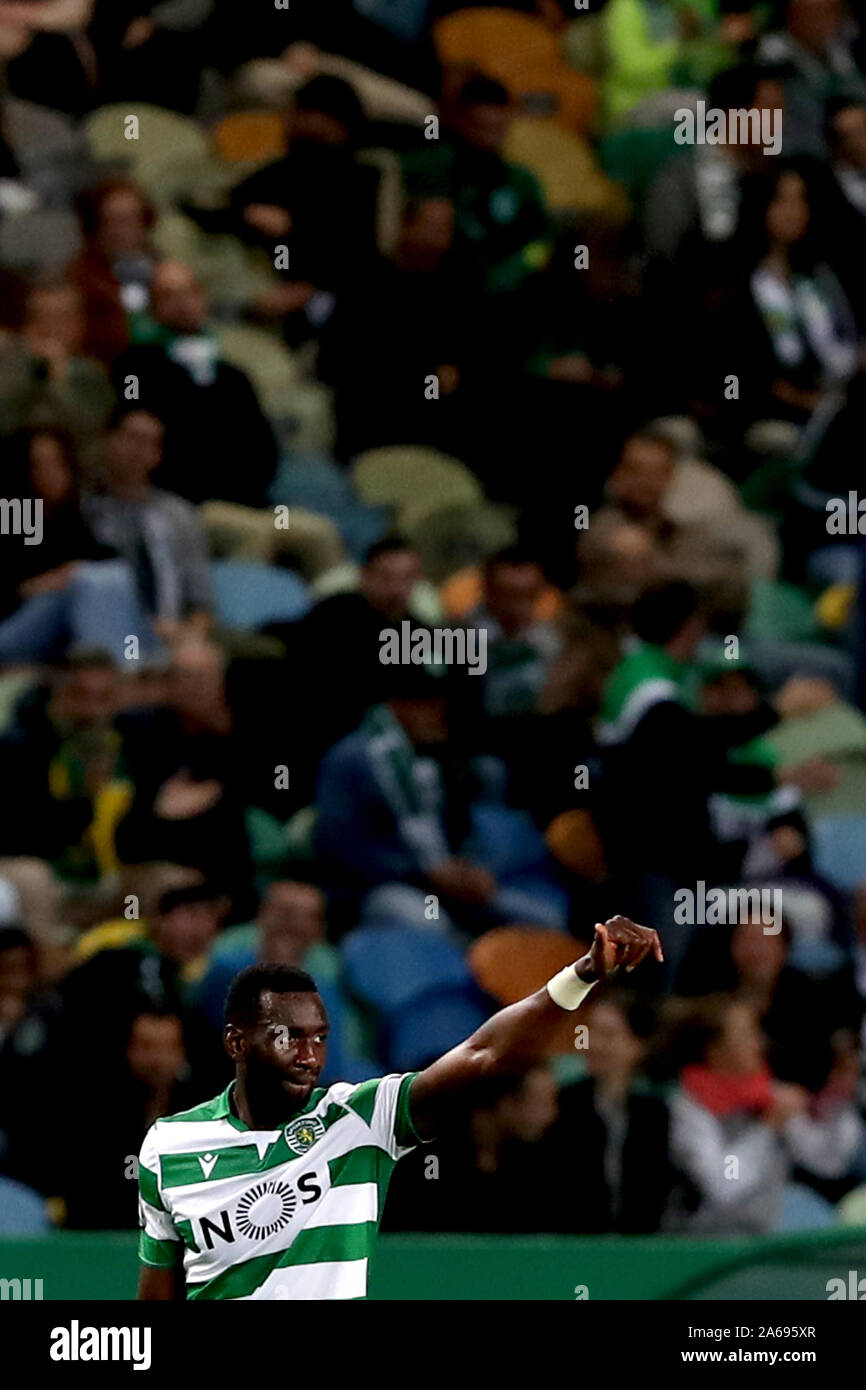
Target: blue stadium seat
[
  {"x": 388, "y": 967},
  {"x": 315, "y": 483},
  {"x": 839, "y": 849},
  {"x": 22, "y": 1211},
  {"x": 432, "y": 1024},
  {"x": 805, "y": 1210},
  {"x": 509, "y": 842},
  {"x": 249, "y": 594}
]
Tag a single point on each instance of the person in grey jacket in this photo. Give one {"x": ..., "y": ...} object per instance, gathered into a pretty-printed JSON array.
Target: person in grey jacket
[{"x": 737, "y": 1133}]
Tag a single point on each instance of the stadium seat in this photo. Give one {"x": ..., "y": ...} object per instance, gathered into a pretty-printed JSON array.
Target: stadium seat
[
  {"x": 839, "y": 849},
  {"x": 267, "y": 362},
  {"x": 574, "y": 842},
  {"x": 313, "y": 482},
  {"x": 805, "y": 1210},
  {"x": 523, "y": 54},
  {"x": 565, "y": 166},
  {"x": 511, "y": 962},
  {"x": 22, "y": 1211},
  {"x": 779, "y": 612},
  {"x": 248, "y": 594},
  {"x": 250, "y": 137},
  {"x": 431, "y": 1024},
  {"x": 851, "y": 1211},
  {"x": 387, "y": 967},
  {"x": 452, "y": 538},
  {"x": 508, "y": 840},
  {"x": 311, "y": 543},
  {"x": 39, "y": 242},
  {"x": 414, "y": 481},
  {"x": 169, "y": 155}
]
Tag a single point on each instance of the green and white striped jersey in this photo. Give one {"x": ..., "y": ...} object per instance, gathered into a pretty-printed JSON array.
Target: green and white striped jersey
[{"x": 289, "y": 1213}]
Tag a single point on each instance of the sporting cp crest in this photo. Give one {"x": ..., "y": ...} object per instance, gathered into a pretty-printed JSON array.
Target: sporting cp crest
[{"x": 303, "y": 1133}]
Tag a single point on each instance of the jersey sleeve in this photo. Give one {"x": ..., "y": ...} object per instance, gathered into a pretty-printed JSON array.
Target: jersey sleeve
[
  {"x": 159, "y": 1237},
  {"x": 383, "y": 1104}
]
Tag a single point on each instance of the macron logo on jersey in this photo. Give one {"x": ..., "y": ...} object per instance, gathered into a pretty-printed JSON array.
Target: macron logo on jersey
[{"x": 208, "y": 1163}]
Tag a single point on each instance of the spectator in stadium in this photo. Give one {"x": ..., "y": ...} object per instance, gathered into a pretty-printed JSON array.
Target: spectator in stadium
[
  {"x": 30, "y": 1051},
  {"x": 730, "y": 1106},
  {"x": 117, "y": 264},
  {"x": 396, "y": 806},
  {"x": 48, "y": 53},
  {"x": 694, "y": 201},
  {"x": 755, "y": 965},
  {"x": 315, "y": 202},
  {"x": 807, "y": 339},
  {"x": 647, "y": 50},
  {"x": 846, "y": 119},
  {"x": 413, "y": 316},
  {"x": 45, "y": 375},
  {"x": 816, "y": 46},
  {"x": 38, "y": 615},
  {"x": 209, "y": 408},
  {"x": 395, "y": 48},
  {"x": 151, "y": 50},
  {"x": 290, "y": 922},
  {"x": 151, "y": 1078},
  {"x": 62, "y": 766},
  {"x": 157, "y": 534},
  {"x": 485, "y": 1179},
  {"x": 501, "y": 217},
  {"x": 654, "y": 805},
  {"x": 187, "y": 770},
  {"x": 612, "y": 1130},
  {"x": 44, "y": 160},
  {"x": 158, "y": 973},
  {"x": 289, "y": 929},
  {"x": 342, "y": 634},
  {"x": 700, "y": 526},
  {"x": 520, "y": 646}
]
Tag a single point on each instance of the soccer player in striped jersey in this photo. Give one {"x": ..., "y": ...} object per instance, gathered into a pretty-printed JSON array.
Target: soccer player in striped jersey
[{"x": 274, "y": 1189}]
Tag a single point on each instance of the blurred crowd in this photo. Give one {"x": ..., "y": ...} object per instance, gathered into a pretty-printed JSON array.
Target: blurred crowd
[{"x": 326, "y": 322}]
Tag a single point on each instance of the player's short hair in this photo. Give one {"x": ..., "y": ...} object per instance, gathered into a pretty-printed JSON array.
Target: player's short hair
[{"x": 243, "y": 1001}]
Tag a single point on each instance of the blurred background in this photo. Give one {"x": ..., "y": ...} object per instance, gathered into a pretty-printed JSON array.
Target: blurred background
[{"x": 319, "y": 321}]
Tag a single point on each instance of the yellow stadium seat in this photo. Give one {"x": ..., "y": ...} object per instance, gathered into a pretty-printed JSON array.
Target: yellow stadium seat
[
  {"x": 252, "y": 137},
  {"x": 463, "y": 591},
  {"x": 413, "y": 480},
  {"x": 573, "y": 839},
  {"x": 565, "y": 166},
  {"x": 511, "y": 962},
  {"x": 524, "y": 55}
]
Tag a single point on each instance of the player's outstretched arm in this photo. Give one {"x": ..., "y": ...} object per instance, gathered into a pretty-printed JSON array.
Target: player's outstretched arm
[{"x": 518, "y": 1035}]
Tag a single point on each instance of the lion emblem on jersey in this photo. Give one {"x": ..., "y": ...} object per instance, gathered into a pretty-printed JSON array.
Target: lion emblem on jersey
[{"x": 303, "y": 1133}]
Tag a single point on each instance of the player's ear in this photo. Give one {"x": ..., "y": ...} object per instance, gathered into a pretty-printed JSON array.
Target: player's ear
[{"x": 233, "y": 1041}]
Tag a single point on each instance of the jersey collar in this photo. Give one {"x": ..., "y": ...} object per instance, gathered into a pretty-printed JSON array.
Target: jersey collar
[{"x": 224, "y": 1110}]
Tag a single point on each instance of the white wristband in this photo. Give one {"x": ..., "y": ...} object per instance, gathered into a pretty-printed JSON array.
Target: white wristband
[{"x": 567, "y": 989}]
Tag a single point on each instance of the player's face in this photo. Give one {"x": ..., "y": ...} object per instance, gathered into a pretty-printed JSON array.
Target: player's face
[{"x": 287, "y": 1048}]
